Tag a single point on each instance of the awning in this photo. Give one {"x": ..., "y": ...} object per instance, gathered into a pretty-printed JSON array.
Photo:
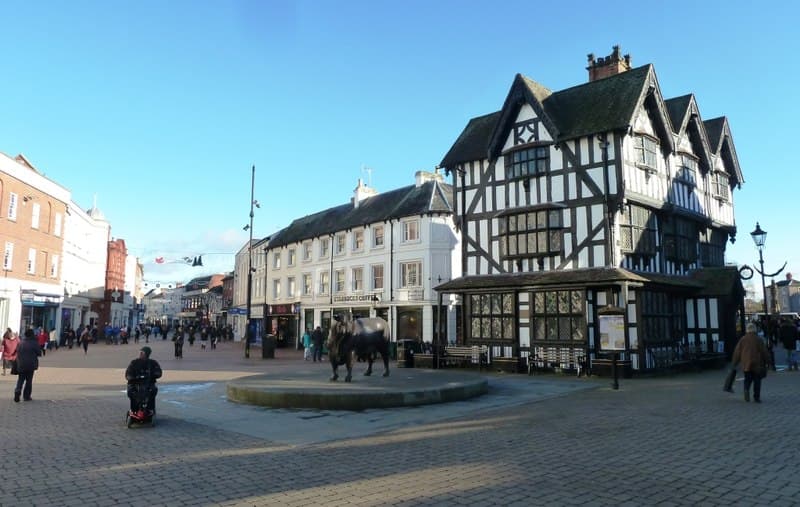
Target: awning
[
  {"x": 34, "y": 298},
  {"x": 586, "y": 277}
]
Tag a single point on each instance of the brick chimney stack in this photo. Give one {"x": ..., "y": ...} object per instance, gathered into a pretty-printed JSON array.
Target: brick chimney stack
[{"x": 609, "y": 66}]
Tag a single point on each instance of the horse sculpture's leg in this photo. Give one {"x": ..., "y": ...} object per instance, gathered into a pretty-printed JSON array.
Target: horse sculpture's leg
[
  {"x": 349, "y": 364},
  {"x": 369, "y": 365},
  {"x": 335, "y": 369},
  {"x": 385, "y": 357}
]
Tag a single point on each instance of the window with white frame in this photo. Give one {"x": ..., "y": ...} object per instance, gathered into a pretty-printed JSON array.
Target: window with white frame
[
  {"x": 276, "y": 260},
  {"x": 307, "y": 250},
  {"x": 377, "y": 236},
  {"x": 324, "y": 247},
  {"x": 410, "y": 231},
  {"x": 358, "y": 240},
  {"x": 8, "y": 256},
  {"x": 307, "y": 284},
  {"x": 36, "y": 210},
  {"x": 324, "y": 282},
  {"x": 339, "y": 245},
  {"x": 377, "y": 276},
  {"x": 12, "y": 206},
  {"x": 358, "y": 279},
  {"x": 646, "y": 150},
  {"x": 719, "y": 185},
  {"x": 292, "y": 257},
  {"x": 57, "y": 225},
  {"x": 54, "y": 266},
  {"x": 276, "y": 288},
  {"x": 31, "y": 261},
  {"x": 339, "y": 281},
  {"x": 411, "y": 274},
  {"x": 290, "y": 287}
]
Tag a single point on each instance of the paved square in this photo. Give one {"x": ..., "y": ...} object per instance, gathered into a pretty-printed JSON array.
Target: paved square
[{"x": 544, "y": 440}]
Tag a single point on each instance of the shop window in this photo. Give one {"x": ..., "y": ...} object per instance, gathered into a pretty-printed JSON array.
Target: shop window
[
  {"x": 558, "y": 316},
  {"x": 492, "y": 316}
]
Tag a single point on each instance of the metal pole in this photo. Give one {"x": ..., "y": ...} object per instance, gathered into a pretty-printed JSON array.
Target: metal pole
[
  {"x": 763, "y": 283},
  {"x": 247, "y": 336}
]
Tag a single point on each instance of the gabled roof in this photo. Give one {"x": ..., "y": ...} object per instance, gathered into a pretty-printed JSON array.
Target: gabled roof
[
  {"x": 685, "y": 117},
  {"x": 594, "y": 107},
  {"x": 473, "y": 142},
  {"x": 523, "y": 91},
  {"x": 429, "y": 197},
  {"x": 721, "y": 143}
]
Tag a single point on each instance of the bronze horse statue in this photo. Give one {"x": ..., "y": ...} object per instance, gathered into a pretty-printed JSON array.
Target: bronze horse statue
[{"x": 350, "y": 339}]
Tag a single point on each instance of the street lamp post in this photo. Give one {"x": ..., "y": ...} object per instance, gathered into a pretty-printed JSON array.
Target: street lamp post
[
  {"x": 759, "y": 238},
  {"x": 248, "y": 329}
]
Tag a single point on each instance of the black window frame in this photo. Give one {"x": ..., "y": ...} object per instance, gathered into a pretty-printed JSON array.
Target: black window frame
[
  {"x": 558, "y": 316},
  {"x": 532, "y": 233},
  {"x": 492, "y": 317},
  {"x": 527, "y": 161}
]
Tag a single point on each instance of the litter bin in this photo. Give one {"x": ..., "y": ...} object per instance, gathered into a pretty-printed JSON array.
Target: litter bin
[
  {"x": 405, "y": 352},
  {"x": 268, "y": 347}
]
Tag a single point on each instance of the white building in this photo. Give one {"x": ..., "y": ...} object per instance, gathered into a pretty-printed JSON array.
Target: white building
[
  {"x": 378, "y": 255},
  {"x": 86, "y": 239}
]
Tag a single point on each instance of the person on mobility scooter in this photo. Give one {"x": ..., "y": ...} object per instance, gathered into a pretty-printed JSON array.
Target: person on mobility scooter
[{"x": 141, "y": 375}]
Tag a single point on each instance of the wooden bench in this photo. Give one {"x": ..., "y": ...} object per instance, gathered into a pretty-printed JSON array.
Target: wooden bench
[
  {"x": 465, "y": 355},
  {"x": 556, "y": 358}
]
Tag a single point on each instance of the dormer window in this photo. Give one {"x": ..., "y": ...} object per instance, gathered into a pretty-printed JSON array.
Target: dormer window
[
  {"x": 720, "y": 186},
  {"x": 687, "y": 170},
  {"x": 528, "y": 162},
  {"x": 646, "y": 149}
]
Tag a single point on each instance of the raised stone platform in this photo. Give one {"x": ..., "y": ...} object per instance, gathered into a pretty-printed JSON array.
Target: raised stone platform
[{"x": 309, "y": 387}]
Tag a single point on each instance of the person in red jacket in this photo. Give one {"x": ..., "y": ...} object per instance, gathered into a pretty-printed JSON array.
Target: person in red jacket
[
  {"x": 9, "y": 346},
  {"x": 41, "y": 338}
]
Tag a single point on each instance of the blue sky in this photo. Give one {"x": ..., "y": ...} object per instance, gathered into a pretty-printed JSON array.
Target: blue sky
[{"x": 159, "y": 109}]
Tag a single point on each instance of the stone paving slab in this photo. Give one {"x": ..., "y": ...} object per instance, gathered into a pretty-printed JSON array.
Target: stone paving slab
[{"x": 676, "y": 440}]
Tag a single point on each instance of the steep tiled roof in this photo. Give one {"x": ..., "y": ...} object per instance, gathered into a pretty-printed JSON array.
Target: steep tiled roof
[
  {"x": 677, "y": 108},
  {"x": 605, "y": 104},
  {"x": 430, "y": 197},
  {"x": 597, "y": 106},
  {"x": 473, "y": 141},
  {"x": 714, "y": 128}
]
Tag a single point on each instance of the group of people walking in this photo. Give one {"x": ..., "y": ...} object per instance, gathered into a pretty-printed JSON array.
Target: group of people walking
[{"x": 312, "y": 344}]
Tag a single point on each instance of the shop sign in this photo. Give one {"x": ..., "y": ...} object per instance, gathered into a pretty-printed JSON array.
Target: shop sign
[{"x": 372, "y": 298}]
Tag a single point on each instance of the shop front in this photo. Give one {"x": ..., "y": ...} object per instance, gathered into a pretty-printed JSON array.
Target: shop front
[
  {"x": 39, "y": 310},
  {"x": 283, "y": 322}
]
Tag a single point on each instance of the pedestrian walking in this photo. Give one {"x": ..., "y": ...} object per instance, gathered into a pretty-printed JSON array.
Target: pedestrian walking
[
  {"x": 317, "y": 339},
  {"x": 41, "y": 338},
  {"x": 308, "y": 346},
  {"x": 28, "y": 354},
  {"x": 788, "y": 336},
  {"x": 753, "y": 357},
  {"x": 9, "y": 346},
  {"x": 85, "y": 338}
]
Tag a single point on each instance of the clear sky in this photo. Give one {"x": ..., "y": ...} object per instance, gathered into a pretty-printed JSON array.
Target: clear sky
[{"x": 159, "y": 109}]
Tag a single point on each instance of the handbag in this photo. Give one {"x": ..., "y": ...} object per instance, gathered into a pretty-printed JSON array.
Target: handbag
[{"x": 14, "y": 370}]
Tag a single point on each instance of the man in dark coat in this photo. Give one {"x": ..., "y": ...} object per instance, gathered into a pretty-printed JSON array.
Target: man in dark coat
[
  {"x": 143, "y": 371},
  {"x": 28, "y": 354},
  {"x": 317, "y": 338},
  {"x": 753, "y": 357},
  {"x": 788, "y": 336}
]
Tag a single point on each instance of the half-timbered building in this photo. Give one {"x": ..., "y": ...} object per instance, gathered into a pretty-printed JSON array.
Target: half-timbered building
[{"x": 600, "y": 200}]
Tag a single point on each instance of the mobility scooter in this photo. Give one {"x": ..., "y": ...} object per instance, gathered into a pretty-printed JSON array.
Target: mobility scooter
[{"x": 144, "y": 414}]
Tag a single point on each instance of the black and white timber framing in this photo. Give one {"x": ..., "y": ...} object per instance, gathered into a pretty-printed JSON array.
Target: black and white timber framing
[{"x": 603, "y": 195}]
